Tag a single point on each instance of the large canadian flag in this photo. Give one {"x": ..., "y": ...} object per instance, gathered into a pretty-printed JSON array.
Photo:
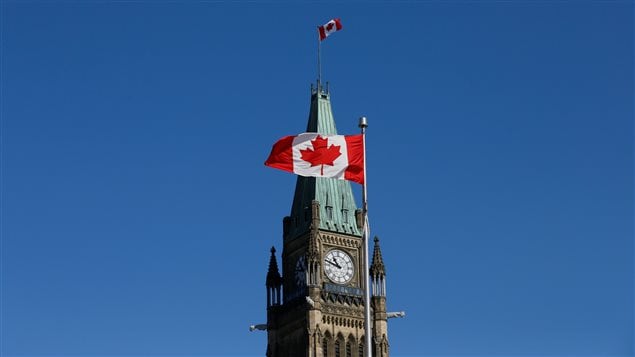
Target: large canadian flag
[{"x": 317, "y": 155}]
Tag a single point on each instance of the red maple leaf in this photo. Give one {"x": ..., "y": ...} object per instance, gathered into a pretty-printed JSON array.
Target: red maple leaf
[{"x": 321, "y": 154}]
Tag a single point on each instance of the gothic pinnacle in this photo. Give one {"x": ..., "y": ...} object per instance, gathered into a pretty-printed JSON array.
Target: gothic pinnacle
[
  {"x": 377, "y": 267},
  {"x": 273, "y": 275}
]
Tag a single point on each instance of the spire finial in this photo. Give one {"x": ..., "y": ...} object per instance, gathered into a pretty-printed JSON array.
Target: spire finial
[
  {"x": 273, "y": 275},
  {"x": 377, "y": 267}
]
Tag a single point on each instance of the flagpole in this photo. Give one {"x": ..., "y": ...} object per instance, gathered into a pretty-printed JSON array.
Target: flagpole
[
  {"x": 363, "y": 124},
  {"x": 318, "y": 62}
]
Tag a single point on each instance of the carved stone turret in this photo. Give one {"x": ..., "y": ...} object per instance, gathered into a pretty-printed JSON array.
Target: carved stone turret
[
  {"x": 313, "y": 249},
  {"x": 378, "y": 284}
]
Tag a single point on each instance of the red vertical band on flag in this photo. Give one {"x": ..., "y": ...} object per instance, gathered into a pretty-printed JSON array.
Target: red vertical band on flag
[
  {"x": 338, "y": 24},
  {"x": 281, "y": 156},
  {"x": 322, "y": 32},
  {"x": 355, "y": 149}
]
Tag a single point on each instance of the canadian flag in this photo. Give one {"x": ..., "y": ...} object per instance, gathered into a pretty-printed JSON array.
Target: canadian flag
[
  {"x": 329, "y": 27},
  {"x": 317, "y": 155}
]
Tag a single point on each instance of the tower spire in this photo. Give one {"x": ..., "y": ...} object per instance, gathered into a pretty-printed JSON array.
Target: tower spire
[
  {"x": 378, "y": 283},
  {"x": 336, "y": 201},
  {"x": 378, "y": 271},
  {"x": 274, "y": 281}
]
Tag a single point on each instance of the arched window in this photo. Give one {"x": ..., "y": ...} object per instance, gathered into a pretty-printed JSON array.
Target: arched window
[
  {"x": 360, "y": 349},
  {"x": 337, "y": 349},
  {"x": 325, "y": 347},
  {"x": 349, "y": 350},
  {"x": 326, "y": 344}
]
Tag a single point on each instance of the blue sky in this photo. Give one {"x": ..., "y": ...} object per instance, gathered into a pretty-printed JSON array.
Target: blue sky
[{"x": 137, "y": 214}]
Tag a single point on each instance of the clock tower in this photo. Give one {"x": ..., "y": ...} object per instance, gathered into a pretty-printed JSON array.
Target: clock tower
[{"x": 315, "y": 308}]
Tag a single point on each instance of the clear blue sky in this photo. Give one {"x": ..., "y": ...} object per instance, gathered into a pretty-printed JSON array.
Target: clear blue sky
[{"x": 137, "y": 214}]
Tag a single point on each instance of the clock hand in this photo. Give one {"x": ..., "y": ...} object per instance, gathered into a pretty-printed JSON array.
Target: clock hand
[{"x": 334, "y": 263}]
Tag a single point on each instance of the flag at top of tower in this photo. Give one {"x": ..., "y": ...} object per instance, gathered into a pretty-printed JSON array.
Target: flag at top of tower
[
  {"x": 329, "y": 27},
  {"x": 317, "y": 155}
]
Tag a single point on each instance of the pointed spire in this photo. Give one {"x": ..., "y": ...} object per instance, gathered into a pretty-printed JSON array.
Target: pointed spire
[
  {"x": 274, "y": 282},
  {"x": 336, "y": 199},
  {"x": 273, "y": 275},
  {"x": 377, "y": 267}
]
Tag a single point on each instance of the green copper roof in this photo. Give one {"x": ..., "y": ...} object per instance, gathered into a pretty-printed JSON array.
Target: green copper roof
[{"x": 337, "y": 203}]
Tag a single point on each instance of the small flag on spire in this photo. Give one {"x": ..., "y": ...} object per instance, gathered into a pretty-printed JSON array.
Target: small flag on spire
[{"x": 329, "y": 27}]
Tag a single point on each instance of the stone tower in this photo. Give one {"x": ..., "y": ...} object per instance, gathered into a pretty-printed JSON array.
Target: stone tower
[{"x": 316, "y": 307}]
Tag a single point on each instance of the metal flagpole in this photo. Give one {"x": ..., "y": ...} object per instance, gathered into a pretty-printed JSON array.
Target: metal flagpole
[
  {"x": 363, "y": 124},
  {"x": 318, "y": 62}
]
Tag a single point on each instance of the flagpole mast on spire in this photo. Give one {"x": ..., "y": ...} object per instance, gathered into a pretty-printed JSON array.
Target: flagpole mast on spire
[
  {"x": 363, "y": 124},
  {"x": 319, "y": 79},
  {"x": 323, "y": 32}
]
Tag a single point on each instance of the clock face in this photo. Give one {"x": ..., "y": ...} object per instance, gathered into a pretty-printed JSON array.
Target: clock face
[
  {"x": 338, "y": 266},
  {"x": 300, "y": 271}
]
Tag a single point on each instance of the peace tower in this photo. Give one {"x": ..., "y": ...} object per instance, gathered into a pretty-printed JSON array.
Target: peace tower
[{"x": 316, "y": 307}]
